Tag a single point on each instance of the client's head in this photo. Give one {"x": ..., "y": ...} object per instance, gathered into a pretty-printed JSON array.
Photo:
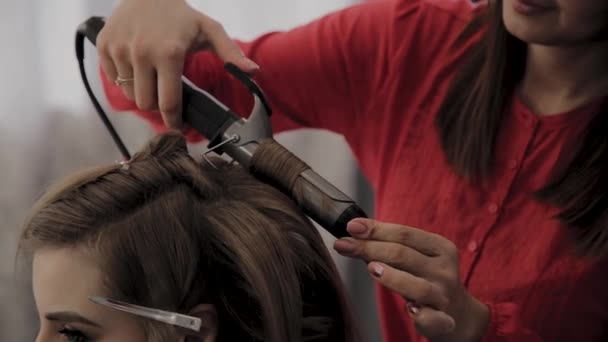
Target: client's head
[{"x": 169, "y": 233}]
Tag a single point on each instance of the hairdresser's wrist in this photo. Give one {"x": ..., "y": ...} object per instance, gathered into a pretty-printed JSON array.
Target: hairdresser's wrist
[{"x": 473, "y": 323}]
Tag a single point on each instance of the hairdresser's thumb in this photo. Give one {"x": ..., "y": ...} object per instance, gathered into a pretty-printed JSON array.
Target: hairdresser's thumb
[{"x": 225, "y": 47}]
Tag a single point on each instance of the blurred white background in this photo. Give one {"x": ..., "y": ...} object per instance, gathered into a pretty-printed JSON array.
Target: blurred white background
[{"x": 48, "y": 127}]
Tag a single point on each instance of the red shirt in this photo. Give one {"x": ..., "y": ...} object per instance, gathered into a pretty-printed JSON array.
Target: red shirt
[{"x": 377, "y": 73}]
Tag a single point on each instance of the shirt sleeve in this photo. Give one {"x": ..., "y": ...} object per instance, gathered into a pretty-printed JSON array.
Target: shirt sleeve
[
  {"x": 319, "y": 75},
  {"x": 506, "y": 325}
]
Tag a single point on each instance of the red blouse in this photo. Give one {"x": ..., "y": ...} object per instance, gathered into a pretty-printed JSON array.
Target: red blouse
[{"x": 377, "y": 73}]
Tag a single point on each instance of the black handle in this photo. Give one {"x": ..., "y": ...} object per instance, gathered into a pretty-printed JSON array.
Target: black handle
[
  {"x": 203, "y": 114},
  {"x": 91, "y": 28}
]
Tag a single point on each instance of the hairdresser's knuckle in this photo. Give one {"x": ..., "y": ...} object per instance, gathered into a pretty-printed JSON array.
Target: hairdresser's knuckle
[
  {"x": 119, "y": 50},
  {"x": 146, "y": 103},
  {"x": 425, "y": 292},
  {"x": 173, "y": 51},
  {"x": 438, "y": 297},
  {"x": 363, "y": 249},
  {"x": 404, "y": 235},
  {"x": 141, "y": 50},
  {"x": 444, "y": 268},
  {"x": 102, "y": 42},
  {"x": 168, "y": 105},
  {"x": 450, "y": 250},
  {"x": 373, "y": 228},
  {"x": 213, "y": 26},
  {"x": 394, "y": 254}
]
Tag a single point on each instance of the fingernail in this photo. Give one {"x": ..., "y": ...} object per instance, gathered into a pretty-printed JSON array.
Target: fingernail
[
  {"x": 345, "y": 246},
  {"x": 251, "y": 64},
  {"x": 356, "y": 228},
  {"x": 451, "y": 326},
  {"x": 413, "y": 308},
  {"x": 377, "y": 270}
]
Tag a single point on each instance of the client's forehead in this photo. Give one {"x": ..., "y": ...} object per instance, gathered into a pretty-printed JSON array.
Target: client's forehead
[{"x": 64, "y": 278}]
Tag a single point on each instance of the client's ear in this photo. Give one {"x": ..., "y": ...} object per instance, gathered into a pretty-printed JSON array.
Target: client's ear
[{"x": 209, "y": 324}]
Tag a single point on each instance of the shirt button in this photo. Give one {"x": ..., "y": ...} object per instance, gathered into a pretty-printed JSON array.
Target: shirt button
[
  {"x": 472, "y": 246},
  {"x": 493, "y": 208},
  {"x": 512, "y": 164}
]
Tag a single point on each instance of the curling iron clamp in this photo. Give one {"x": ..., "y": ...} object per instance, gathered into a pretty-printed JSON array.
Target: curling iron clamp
[{"x": 238, "y": 137}]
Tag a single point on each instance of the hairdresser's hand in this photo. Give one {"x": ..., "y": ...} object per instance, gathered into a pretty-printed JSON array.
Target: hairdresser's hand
[
  {"x": 423, "y": 268},
  {"x": 147, "y": 41}
]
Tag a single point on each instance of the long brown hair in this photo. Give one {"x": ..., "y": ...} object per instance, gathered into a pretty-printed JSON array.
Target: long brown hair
[
  {"x": 471, "y": 116},
  {"x": 193, "y": 234}
]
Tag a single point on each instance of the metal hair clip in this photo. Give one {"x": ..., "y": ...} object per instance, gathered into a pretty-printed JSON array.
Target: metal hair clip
[
  {"x": 172, "y": 318},
  {"x": 125, "y": 165}
]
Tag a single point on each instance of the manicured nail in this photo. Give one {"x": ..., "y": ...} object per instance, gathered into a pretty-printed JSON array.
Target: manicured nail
[
  {"x": 356, "y": 228},
  {"x": 345, "y": 246},
  {"x": 251, "y": 64},
  {"x": 450, "y": 326},
  {"x": 377, "y": 270},
  {"x": 414, "y": 308}
]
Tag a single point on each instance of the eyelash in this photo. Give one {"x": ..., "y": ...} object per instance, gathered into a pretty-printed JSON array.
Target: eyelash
[{"x": 74, "y": 335}]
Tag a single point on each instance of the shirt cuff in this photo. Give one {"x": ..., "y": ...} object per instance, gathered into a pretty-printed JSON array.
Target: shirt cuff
[{"x": 506, "y": 326}]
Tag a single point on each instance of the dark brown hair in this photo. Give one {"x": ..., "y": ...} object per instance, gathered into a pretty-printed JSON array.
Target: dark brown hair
[
  {"x": 471, "y": 116},
  {"x": 193, "y": 234}
]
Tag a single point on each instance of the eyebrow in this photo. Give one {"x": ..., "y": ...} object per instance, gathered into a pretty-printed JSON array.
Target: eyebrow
[{"x": 71, "y": 317}]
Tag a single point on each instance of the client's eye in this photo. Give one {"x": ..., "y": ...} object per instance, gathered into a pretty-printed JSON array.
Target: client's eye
[{"x": 73, "y": 335}]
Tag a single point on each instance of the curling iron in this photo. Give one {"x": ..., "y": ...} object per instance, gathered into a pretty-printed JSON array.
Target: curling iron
[{"x": 238, "y": 137}]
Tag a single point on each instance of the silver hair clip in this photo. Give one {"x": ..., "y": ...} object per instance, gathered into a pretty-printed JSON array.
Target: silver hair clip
[
  {"x": 172, "y": 318},
  {"x": 125, "y": 165},
  {"x": 233, "y": 139}
]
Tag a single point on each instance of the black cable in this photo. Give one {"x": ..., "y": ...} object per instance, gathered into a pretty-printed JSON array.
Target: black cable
[{"x": 80, "y": 37}]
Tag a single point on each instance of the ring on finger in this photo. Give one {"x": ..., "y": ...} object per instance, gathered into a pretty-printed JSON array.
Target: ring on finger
[{"x": 122, "y": 81}]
